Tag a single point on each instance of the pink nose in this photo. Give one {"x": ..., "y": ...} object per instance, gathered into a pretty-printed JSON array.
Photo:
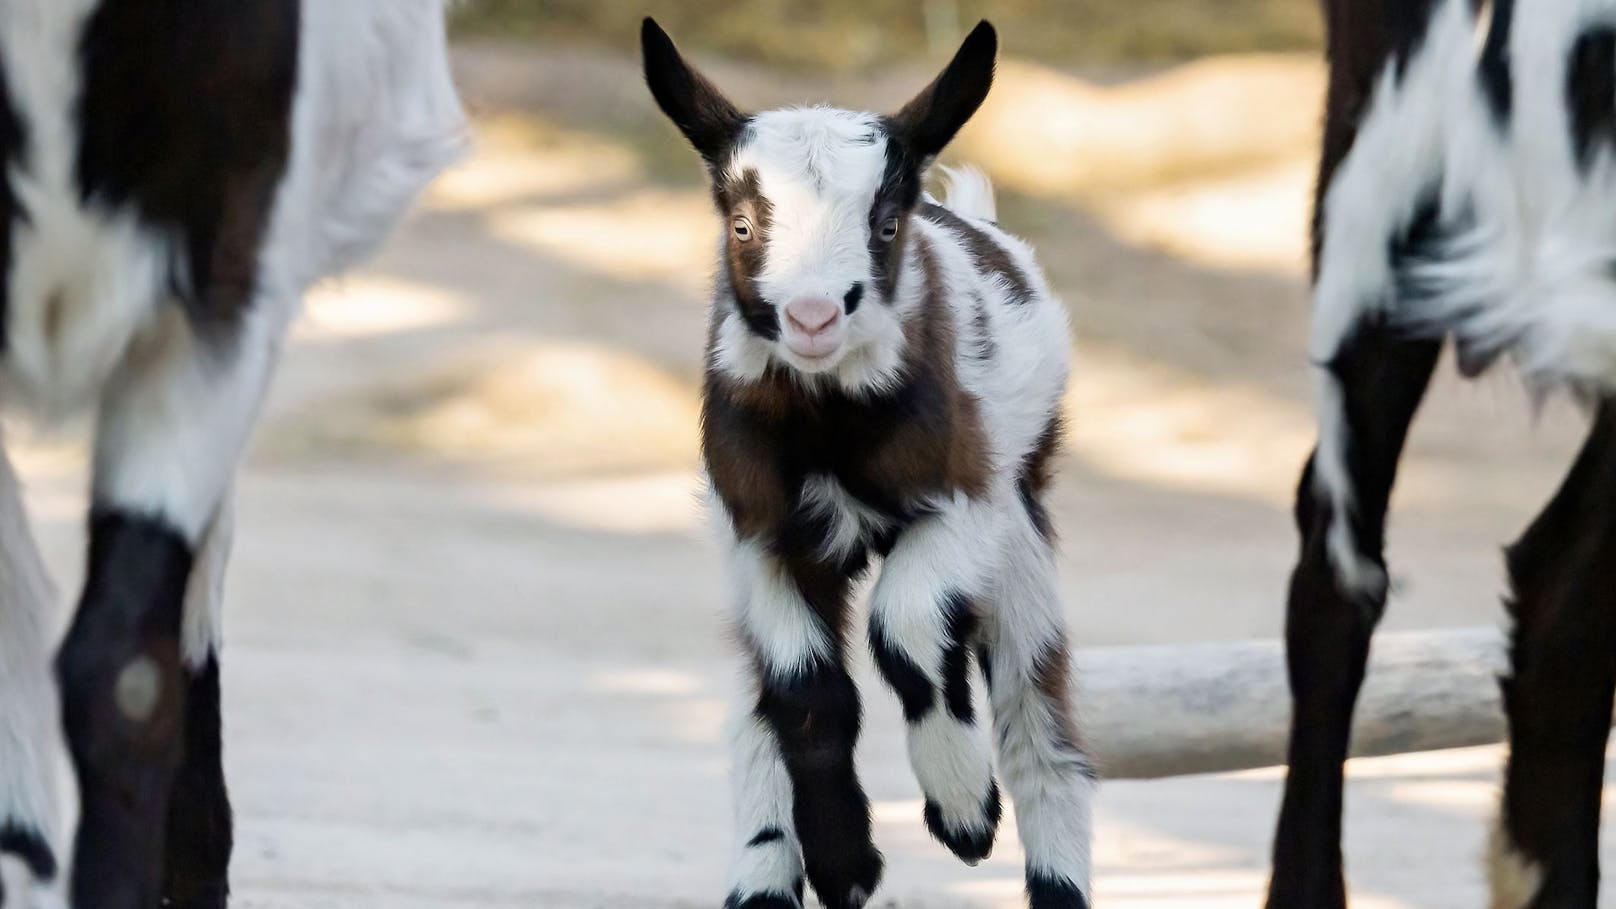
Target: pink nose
[{"x": 813, "y": 315}]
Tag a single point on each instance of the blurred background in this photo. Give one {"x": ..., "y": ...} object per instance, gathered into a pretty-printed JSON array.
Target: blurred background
[{"x": 476, "y": 655}]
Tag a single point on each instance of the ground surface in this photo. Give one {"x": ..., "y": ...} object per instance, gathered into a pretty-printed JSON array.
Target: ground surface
[{"x": 474, "y": 652}]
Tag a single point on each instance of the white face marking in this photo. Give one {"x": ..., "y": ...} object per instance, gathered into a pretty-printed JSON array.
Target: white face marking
[{"x": 820, "y": 170}]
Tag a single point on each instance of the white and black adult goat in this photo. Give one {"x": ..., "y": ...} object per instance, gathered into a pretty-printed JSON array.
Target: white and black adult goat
[
  {"x": 1468, "y": 189},
  {"x": 173, "y": 177},
  {"x": 884, "y": 378}
]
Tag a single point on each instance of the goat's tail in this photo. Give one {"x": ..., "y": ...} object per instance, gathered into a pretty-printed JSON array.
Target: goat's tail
[{"x": 970, "y": 193}]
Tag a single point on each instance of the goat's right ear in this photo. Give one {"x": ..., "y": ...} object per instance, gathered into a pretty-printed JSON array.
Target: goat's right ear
[{"x": 700, "y": 110}]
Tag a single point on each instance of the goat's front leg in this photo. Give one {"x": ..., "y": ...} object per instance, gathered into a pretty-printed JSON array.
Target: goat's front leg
[
  {"x": 171, "y": 428},
  {"x": 1371, "y": 390},
  {"x": 798, "y": 803},
  {"x": 923, "y": 628},
  {"x": 29, "y": 734}
]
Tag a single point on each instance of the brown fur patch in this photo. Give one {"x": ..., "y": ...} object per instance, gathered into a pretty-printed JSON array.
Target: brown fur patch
[
  {"x": 934, "y": 341},
  {"x": 989, "y": 257},
  {"x": 742, "y": 197},
  {"x": 762, "y": 439},
  {"x": 1053, "y": 676}
]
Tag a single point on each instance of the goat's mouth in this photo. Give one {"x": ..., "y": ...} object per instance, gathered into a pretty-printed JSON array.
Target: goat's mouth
[{"x": 814, "y": 349}]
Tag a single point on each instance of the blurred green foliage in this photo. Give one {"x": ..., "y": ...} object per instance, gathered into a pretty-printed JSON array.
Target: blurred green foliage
[{"x": 856, "y": 34}]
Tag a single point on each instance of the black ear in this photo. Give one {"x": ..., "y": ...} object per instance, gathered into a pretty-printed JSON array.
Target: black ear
[
  {"x": 929, "y": 122},
  {"x": 701, "y": 112}
]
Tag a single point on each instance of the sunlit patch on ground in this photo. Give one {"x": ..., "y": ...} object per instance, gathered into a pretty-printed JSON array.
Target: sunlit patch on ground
[
  {"x": 544, "y": 409},
  {"x": 644, "y": 235},
  {"x": 1256, "y": 221},
  {"x": 522, "y": 158},
  {"x": 370, "y": 305},
  {"x": 1048, "y": 132}
]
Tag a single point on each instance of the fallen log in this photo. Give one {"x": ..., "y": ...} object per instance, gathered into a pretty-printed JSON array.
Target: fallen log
[{"x": 1153, "y": 712}]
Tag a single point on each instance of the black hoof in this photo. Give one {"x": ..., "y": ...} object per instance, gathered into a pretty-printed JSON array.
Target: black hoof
[
  {"x": 213, "y": 897},
  {"x": 1047, "y": 892},
  {"x": 971, "y": 845},
  {"x": 849, "y": 884}
]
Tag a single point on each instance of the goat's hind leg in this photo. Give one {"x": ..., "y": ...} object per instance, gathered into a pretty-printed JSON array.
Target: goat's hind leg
[
  {"x": 29, "y": 729},
  {"x": 1559, "y": 693},
  {"x": 924, "y": 625},
  {"x": 1027, "y": 663}
]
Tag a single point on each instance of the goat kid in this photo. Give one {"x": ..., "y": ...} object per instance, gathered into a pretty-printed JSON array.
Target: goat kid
[
  {"x": 1467, "y": 189},
  {"x": 173, "y": 176},
  {"x": 884, "y": 378}
]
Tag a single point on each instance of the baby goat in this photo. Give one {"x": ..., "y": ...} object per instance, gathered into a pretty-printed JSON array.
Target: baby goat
[{"x": 884, "y": 378}]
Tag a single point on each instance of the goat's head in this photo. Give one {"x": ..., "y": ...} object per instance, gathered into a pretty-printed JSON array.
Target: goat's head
[{"x": 815, "y": 204}]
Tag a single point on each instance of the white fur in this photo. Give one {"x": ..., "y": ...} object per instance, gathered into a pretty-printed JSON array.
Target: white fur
[
  {"x": 1050, "y": 781},
  {"x": 763, "y": 800},
  {"x": 204, "y": 597},
  {"x": 773, "y": 616},
  {"x": 30, "y": 745},
  {"x": 970, "y": 193}
]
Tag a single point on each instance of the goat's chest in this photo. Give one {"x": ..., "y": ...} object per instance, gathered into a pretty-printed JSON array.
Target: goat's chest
[{"x": 140, "y": 148}]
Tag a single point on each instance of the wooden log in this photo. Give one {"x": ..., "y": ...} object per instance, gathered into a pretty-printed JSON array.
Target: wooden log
[{"x": 1152, "y": 712}]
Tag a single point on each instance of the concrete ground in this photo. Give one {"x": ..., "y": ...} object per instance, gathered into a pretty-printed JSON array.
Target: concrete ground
[{"x": 475, "y": 655}]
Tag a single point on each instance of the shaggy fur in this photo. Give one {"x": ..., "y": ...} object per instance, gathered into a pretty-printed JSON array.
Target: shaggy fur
[{"x": 923, "y": 439}]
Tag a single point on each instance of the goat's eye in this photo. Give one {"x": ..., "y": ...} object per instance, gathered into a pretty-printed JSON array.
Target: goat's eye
[
  {"x": 743, "y": 229},
  {"x": 889, "y": 230}
]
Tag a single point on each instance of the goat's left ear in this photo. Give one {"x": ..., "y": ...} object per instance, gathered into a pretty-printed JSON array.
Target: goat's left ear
[{"x": 929, "y": 122}]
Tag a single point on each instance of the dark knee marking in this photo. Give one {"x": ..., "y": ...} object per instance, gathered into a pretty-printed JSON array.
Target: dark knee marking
[
  {"x": 914, "y": 688},
  {"x": 200, "y": 822},
  {"x": 962, "y": 628},
  {"x": 766, "y": 836},
  {"x": 28, "y": 845},
  {"x": 971, "y": 844},
  {"x": 1045, "y": 891},
  {"x": 814, "y": 712}
]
